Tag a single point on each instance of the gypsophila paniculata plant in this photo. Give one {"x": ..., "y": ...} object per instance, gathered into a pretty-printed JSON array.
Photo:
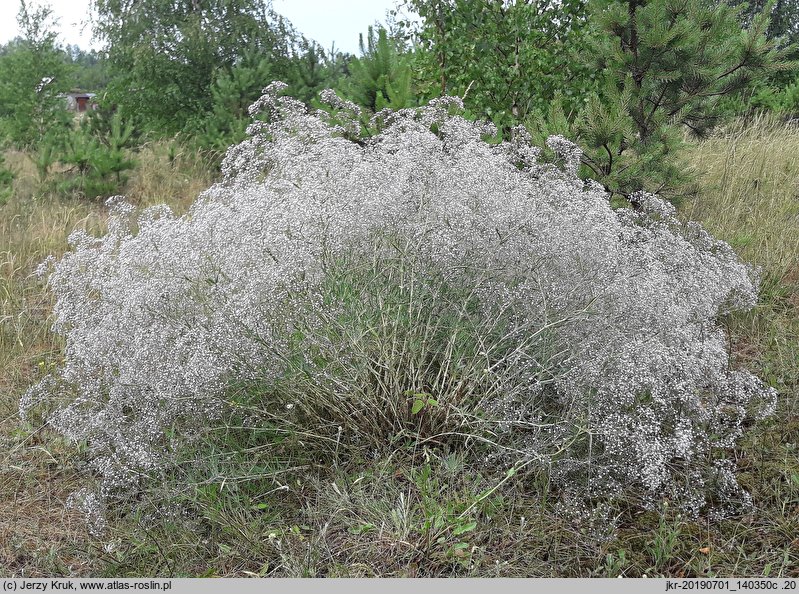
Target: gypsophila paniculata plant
[{"x": 421, "y": 281}]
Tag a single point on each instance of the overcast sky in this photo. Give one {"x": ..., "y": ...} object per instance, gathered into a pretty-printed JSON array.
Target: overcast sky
[{"x": 326, "y": 21}]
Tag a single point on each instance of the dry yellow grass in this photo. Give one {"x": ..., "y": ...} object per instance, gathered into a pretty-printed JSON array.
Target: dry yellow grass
[
  {"x": 749, "y": 192},
  {"x": 749, "y": 196},
  {"x": 169, "y": 174}
]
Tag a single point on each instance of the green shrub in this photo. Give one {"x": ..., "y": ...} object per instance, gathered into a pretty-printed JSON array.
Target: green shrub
[
  {"x": 99, "y": 161},
  {"x": 6, "y": 180},
  {"x": 423, "y": 285}
]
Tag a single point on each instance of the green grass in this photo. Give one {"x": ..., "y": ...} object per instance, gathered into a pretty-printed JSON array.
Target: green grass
[{"x": 277, "y": 505}]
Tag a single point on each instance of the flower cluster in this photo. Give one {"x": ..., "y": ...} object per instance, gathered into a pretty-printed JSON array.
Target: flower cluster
[{"x": 342, "y": 274}]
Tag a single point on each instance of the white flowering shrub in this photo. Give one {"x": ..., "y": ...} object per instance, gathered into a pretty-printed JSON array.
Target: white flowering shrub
[{"x": 422, "y": 281}]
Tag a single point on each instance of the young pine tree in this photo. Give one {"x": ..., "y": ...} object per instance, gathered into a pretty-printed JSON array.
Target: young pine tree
[
  {"x": 666, "y": 65},
  {"x": 232, "y": 91},
  {"x": 310, "y": 72},
  {"x": 381, "y": 78},
  {"x": 100, "y": 162}
]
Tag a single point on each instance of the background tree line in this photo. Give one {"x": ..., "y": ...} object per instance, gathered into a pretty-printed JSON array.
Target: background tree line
[{"x": 626, "y": 79}]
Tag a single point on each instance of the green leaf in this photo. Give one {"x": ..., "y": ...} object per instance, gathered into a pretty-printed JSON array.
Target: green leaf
[
  {"x": 462, "y": 529},
  {"x": 417, "y": 406},
  {"x": 361, "y": 528}
]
